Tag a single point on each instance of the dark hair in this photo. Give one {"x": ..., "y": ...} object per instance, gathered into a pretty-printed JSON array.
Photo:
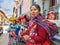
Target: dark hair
[{"x": 37, "y": 6}]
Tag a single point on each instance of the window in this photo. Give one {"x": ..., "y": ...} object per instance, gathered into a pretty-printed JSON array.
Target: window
[{"x": 52, "y": 3}]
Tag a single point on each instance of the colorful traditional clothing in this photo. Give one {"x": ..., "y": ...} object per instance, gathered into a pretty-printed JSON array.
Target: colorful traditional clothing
[
  {"x": 23, "y": 25},
  {"x": 22, "y": 29},
  {"x": 37, "y": 34},
  {"x": 13, "y": 32},
  {"x": 52, "y": 26}
]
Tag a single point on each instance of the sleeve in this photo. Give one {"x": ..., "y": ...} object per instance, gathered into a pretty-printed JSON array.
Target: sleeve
[{"x": 41, "y": 35}]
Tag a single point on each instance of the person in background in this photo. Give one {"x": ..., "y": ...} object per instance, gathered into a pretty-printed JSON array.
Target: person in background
[
  {"x": 51, "y": 15},
  {"x": 13, "y": 30},
  {"x": 24, "y": 20}
]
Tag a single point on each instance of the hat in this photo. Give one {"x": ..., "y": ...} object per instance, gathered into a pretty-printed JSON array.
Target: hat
[
  {"x": 49, "y": 12},
  {"x": 22, "y": 17},
  {"x": 12, "y": 19}
]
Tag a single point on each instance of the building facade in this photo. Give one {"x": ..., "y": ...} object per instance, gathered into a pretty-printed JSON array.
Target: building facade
[
  {"x": 47, "y": 5},
  {"x": 21, "y": 7},
  {"x": 3, "y": 18}
]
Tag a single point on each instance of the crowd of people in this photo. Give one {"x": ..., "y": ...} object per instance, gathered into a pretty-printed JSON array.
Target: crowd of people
[{"x": 34, "y": 30}]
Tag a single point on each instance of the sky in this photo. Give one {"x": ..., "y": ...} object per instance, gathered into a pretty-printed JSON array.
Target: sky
[{"x": 7, "y": 6}]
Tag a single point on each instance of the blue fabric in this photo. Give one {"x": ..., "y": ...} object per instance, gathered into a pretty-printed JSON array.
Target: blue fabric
[
  {"x": 51, "y": 31},
  {"x": 13, "y": 40},
  {"x": 16, "y": 30},
  {"x": 19, "y": 38},
  {"x": 53, "y": 24},
  {"x": 8, "y": 34}
]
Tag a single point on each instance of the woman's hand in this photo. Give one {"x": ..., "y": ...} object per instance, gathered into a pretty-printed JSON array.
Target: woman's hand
[{"x": 26, "y": 37}]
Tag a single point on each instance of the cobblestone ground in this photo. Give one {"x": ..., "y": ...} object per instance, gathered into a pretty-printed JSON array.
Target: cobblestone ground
[{"x": 4, "y": 40}]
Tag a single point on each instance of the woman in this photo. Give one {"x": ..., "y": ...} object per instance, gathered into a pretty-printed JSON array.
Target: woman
[
  {"x": 35, "y": 34},
  {"x": 13, "y": 30},
  {"x": 24, "y": 20}
]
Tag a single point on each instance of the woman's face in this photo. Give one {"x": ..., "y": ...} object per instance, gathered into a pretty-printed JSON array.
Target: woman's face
[
  {"x": 34, "y": 11},
  {"x": 23, "y": 20},
  {"x": 13, "y": 22},
  {"x": 51, "y": 16}
]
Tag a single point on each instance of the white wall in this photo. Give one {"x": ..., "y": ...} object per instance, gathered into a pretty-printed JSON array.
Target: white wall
[
  {"x": 39, "y": 2},
  {"x": 58, "y": 1},
  {"x": 59, "y": 13},
  {"x": 26, "y": 6},
  {"x": 46, "y": 4},
  {"x": 5, "y": 29}
]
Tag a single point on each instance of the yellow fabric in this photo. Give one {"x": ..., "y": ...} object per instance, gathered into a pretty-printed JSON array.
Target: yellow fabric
[{"x": 12, "y": 18}]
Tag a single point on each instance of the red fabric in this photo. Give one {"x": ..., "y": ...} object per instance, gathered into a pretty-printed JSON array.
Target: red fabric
[
  {"x": 49, "y": 24},
  {"x": 28, "y": 43},
  {"x": 54, "y": 28},
  {"x": 10, "y": 40},
  {"x": 46, "y": 43},
  {"x": 13, "y": 34},
  {"x": 22, "y": 17},
  {"x": 41, "y": 37},
  {"x": 41, "y": 18},
  {"x": 55, "y": 18}
]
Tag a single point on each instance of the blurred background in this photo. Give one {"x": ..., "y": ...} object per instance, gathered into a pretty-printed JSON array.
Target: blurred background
[{"x": 16, "y": 8}]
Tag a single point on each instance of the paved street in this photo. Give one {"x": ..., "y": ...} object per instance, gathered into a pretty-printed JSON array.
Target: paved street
[{"x": 4, "y": 39}]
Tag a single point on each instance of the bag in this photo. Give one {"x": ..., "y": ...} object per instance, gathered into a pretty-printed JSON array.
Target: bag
[{"x": 51, "y": 29}]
